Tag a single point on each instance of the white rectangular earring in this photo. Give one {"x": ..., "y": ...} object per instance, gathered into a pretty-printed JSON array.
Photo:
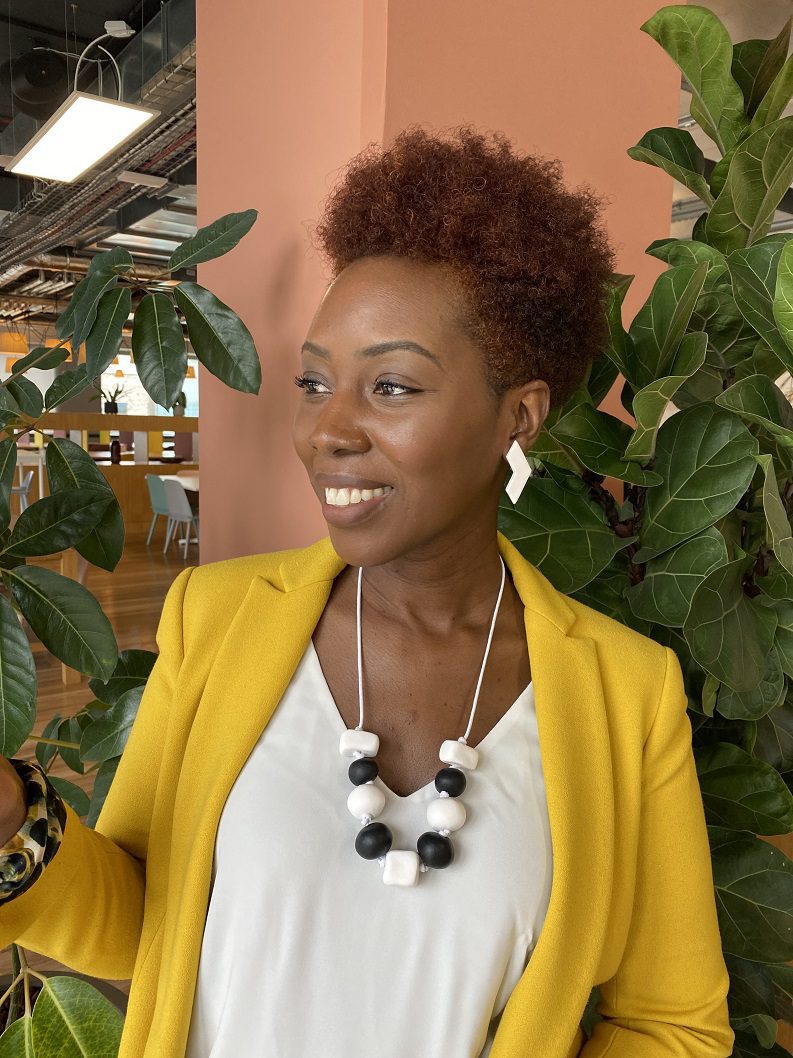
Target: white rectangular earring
[{"x": 521, "y": 471}]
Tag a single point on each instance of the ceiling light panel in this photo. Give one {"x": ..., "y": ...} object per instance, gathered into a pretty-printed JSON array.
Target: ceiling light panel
[{"x": 82, "y": 132}]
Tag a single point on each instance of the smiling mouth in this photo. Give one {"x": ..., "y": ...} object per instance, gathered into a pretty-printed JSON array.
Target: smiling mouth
[{"x": 351, "y": 497}]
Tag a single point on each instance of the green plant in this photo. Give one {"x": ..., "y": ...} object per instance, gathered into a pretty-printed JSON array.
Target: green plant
[
  {"x": 111, "y": 396},
  {"x": 181, "y": 401},
  {"x": 82, "y": 512},
  {"x": 699, "y": 555}
]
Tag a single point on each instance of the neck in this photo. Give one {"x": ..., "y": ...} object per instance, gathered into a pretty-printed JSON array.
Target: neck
[{"x": 438, "y": 593}]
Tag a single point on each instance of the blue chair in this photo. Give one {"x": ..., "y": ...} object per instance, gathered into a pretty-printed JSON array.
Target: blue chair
[{"x": 159, "y": 504}]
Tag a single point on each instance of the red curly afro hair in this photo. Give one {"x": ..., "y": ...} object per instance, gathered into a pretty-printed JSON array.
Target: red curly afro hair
[{"x": 531, "y": 255}]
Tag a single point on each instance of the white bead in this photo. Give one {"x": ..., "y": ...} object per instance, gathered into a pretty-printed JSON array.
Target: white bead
[
  {"x": 401, "y": 867},
  {"x": 366, "y": 800},
  {"x": 453, "y": 752},
  {"x": 446, "y": 813},
  {"x": 353, "y": 741}
]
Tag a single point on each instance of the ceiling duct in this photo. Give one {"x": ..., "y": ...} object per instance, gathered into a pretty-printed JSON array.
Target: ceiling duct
[{"x": 54, "y": 214}]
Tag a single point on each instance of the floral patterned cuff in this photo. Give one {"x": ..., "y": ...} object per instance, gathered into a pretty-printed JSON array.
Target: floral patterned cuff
[{"x": 27, "y": 853}]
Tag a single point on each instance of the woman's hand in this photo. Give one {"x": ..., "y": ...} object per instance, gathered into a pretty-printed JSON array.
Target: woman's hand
[{"x": 13, "y": 804}]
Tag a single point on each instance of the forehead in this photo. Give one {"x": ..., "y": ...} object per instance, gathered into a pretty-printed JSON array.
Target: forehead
[{"x": 389, "y": 297}]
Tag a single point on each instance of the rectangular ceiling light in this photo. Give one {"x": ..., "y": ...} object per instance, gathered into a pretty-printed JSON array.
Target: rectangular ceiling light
[{"x": 82, "y": 132}]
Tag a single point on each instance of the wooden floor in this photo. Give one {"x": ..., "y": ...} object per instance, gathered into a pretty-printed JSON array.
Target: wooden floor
[{"x": 131, "y": 597}]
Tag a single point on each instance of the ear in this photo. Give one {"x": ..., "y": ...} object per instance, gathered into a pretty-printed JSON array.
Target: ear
[{"x": 530, "y": 404}]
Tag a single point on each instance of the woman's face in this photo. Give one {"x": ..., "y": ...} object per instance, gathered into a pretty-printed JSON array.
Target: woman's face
[{"x": 396, "y": 396}]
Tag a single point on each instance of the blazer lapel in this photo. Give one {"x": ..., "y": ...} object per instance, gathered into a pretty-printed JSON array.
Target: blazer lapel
[{"x": 254, "y": 664}]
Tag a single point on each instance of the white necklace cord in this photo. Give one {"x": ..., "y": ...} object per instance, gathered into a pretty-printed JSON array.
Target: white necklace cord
[{"x": 462, "y": 738}]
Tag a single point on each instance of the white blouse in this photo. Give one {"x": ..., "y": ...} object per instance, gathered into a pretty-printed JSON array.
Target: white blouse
[{"x": 307, "y": 952}]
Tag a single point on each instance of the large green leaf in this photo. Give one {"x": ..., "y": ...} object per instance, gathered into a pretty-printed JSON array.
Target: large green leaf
[
  {"x": 690, "y": 252},
  {"x": 754, "y": 896},
  {"x": 55, "y": 523},
  {"x": 65, "y": 386},
  {"x": 706, "y": 457},
  {"x": 774, "y": 738},
  {"x": 132, "y": 670},
  {"x": 214, "y": 240},
  {"x": 72, "y": 1019},
  {"x": 756, "y": 701},
  {"x": 730, "y": 634},
  {"x": 676, "y": 152},
  {"x": 27, "y": 395},
  {"x": 754, "y": 279},
  {"x": 620, "y": 347},
  {"x": 758, "y": 399},
  {"x": 107, "y": 737},
  {"x": 670, "y": 580},
  {"x": 650, "y": 403},
  {"x": 8, "y": 462},
  {"x": 775, "y": 101},
  {"x": 780, "y": 535},
  {"x": 598, "y": 440},
  {"x": 701, "y": 47},
  {"x": 220, "y": 339},
  {"x": 18, "y": 682},
  {"x": 159, "y": 348},
  {"x": 67, "y": 619},
  {"x": 104, "y": 341},
  {"x": 755, "y": 64},
  {"x": 72, "y": 794},
  {"x": 103, "y": 780},
  {"x": 42, "y": 358},
  {"x": 660, "y": 324},
  {"x": 70, "y": 467},
  {"x": 17, "y": 1040},
  {"x": 782, "y": 305},
  {"x": 561, "y": 533},
  {"x": 760, "y": 174},
  {"x": 88, "y": 306},
  {"x": 742, "y": 793}
]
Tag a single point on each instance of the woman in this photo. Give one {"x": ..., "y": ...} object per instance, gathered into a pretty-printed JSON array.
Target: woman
[{"x": 287, "y": 863}]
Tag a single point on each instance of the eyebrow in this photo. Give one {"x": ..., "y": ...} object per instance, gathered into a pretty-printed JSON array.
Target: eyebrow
[{"x": 377, "y": 349}]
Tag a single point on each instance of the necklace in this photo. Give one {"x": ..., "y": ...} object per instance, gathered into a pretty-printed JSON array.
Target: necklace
[{"x": 445, "y": 814}]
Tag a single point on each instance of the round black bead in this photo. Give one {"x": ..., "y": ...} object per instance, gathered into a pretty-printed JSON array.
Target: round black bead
[
  {"x": 450, "y": 780},
  {"x": 435, "y": 850},
  {"x": 363, "y": 769},
  {"x": 373, "y": 840}
]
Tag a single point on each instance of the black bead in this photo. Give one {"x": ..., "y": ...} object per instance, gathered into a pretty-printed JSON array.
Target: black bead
[
  {"x": 450, "y": 780},
  {"x": 373, "y": 840},
  {"x": 435, "y": 850},
  {"x": 363, "y": 769}
]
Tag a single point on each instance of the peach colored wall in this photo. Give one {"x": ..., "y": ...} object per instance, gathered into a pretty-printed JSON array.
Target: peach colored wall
[{"x": 287, "y": 93}]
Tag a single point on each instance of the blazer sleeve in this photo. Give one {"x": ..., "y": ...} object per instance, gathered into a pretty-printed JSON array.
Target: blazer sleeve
[
  {"x": 669, "y": 995},
  {"x": 86, "y": 908}
]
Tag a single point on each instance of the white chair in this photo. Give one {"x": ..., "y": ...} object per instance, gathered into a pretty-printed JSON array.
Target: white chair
[
  {"x": 180, "y": 513},
  {"x": 23, "y": 488}
]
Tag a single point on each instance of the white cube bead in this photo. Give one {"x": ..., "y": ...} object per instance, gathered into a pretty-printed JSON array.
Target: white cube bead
[
  {"x": 401, "y": 867},
  {"x": 353, "y": 741},
  {"x": 446, "y": 813},
  {"x": 366, "y": 800},
  {"x": 454, "y": 752}
]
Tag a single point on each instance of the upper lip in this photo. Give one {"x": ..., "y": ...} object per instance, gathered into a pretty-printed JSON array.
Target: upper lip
[{"x": 347, "y": 481}]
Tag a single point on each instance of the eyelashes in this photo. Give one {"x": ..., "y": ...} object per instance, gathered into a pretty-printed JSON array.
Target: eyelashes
[{"x": 306, "y": 384}]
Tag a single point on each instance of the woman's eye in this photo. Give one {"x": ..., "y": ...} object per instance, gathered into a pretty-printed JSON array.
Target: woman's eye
[{"x": 308, "y": 385}]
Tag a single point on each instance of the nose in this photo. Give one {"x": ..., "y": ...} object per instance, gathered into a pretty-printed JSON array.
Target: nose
[{"x": 338, "y": 423}]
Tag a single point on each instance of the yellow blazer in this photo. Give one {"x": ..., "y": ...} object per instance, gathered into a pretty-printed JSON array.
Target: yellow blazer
[{"x": 632, "y": 904}]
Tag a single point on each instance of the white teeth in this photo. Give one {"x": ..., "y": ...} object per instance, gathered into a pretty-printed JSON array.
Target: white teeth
[{"x": 345, "y": 497}]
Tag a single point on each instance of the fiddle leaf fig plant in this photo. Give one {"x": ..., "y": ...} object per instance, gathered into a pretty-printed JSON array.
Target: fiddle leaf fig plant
[
  {"x": 699, "y": 553},
  {"x": 71, "y": 1016}
]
